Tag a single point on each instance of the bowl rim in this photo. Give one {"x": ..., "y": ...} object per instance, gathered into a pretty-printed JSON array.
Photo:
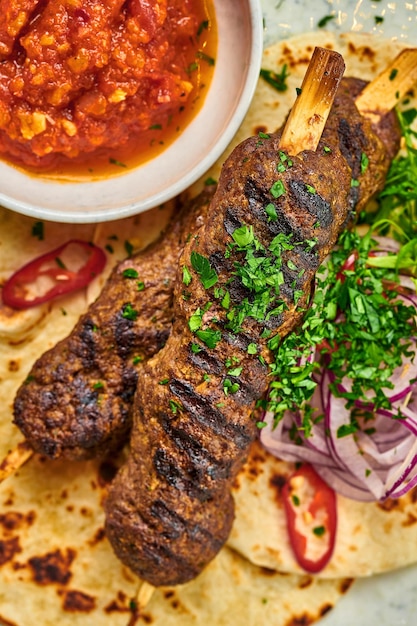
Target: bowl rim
[{"x": 104, "y": 213}]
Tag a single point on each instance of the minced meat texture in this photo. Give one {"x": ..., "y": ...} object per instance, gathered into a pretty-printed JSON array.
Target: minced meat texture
[{"x": 77, "y": 75}]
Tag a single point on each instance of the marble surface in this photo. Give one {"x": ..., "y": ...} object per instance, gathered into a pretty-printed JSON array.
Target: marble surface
[{"x": 388, "y": 599}]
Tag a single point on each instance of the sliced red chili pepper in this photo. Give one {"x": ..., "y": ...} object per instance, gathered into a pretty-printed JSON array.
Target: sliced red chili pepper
[
  {"x": 348, "y": 265},
  {"x": 311, "y": 510},
  {"x": 48, "y": 276}
]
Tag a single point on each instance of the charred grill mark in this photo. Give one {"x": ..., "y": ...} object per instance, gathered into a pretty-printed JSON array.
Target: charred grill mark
[
  {"x": 258, "y": 199},
  {"x": 124, "y": 334},
  {"x": 169, "y": 518},
  {"x": 240, "y": 340},
  {"x": 231, "y": 221},
  {"x": 312, "y": 203},
  {"x": 202, "y": 411},
  {"x": 238, "y": 291},
  {"x": 166, "y": 465},
  {"x": 178, "y": 525},
  {"x": 203, "y": 462},
  {"x": 351, "y": 142},
  {"x": 219, "y": 262},
  {"x": 205, "y": 361},
  {"x": 307, "y": 257},
  {"x": 86, "y": 346}
]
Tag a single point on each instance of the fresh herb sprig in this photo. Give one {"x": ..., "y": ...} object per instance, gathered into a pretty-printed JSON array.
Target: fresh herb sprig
[
  {"x": 397, "y": 202},
  {"x": 396, "y": 215}
]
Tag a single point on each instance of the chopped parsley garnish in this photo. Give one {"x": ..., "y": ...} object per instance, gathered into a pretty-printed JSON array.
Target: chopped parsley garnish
[
  {"x": 128, "y": 247},
  {"x": 116, "y": 162},
  {"x": 38, "y": 230},
  {"x": 205, "y": 57},
  {"x": 186, "y": 276},
  {"x": 325, "y": 20},
  {"x": 364, "y": 163},
  {"x": 271, "y": 212},
  {"x": 230, "y": 387},
  {"x": 260, "y": 272},
  {"x": 129, "y": 312},
  {"x": 373, "y": 334},
  {"x": 202, "y": 27},
  {"x": 277, "y": 189},
  {"x": 130, "y": 272},
  {"x": 277, "y": 81},
  {"x": 204, "y": 270},
  {"x": 209, "y": 336}
]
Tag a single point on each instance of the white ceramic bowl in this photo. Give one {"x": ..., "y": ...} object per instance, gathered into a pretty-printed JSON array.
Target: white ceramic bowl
[{"x": 238, "y": 60}]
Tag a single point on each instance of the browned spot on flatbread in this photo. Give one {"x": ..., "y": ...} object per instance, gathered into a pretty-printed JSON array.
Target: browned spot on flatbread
[
  {"x": 14, "y": 520},
  {"x": 86, "y": 512},
  {"x": 410, "y": 521},
  {"x": 120, "y": 604},
  {"x": 78, "y": 602},
  {"x": 305, "y": 582},
  {"x": 267, "y": 571},
  {"x": 277, "y": 482},
  {"x": 301, "y": 620},
  {"x": 325, "y": 609},
  {"x": 260, "y": 129},
  {"x": 413, "y": 495},
  {"x": 145, "y": 618},
  {"x": 8, "y": 549},
  {"x": 98, "y": 536},
  {"x": 53, "y": 567},
  {"x": 14, "y": 365},
  {"x": 388, "y": 505},
  {"x": 345, "y": 584}
]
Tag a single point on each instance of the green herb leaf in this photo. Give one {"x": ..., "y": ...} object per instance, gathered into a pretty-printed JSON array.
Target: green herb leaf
[
  {"x": 277, "y": 81},
  {"x": 202, "y": 266}
]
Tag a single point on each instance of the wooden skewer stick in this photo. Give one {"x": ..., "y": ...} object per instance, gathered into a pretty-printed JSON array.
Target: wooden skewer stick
[
  {"x": 143, "y": 596},
  {"x": 309, "y": 114},
  {"x": 386, "y": 90},
  {"x": 15, "y": 459}
]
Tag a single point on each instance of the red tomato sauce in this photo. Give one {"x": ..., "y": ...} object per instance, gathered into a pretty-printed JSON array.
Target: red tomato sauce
[{"x": 89, "y": 86}]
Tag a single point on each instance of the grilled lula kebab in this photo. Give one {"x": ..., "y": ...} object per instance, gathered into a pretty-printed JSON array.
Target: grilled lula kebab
[
  {"x": 57, "y": 407},
  {"x": 76, "y": 401},
  {"x": 243, "y": 282}
]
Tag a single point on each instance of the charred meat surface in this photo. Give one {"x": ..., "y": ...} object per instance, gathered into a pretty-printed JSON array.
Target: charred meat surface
[
  {"x": 271, "y": 223},
  {"x": 77, "y": 400}
]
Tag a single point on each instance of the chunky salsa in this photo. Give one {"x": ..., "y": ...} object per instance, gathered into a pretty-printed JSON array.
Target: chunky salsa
[{"x": 85, "y": 78}]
